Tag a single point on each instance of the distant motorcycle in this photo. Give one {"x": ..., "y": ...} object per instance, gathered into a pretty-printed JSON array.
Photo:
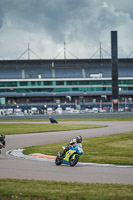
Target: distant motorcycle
[
  {"x": 71, "y": 157},
  {"x": 2, "y": 142},
  {"x": 53, "y": 121}
]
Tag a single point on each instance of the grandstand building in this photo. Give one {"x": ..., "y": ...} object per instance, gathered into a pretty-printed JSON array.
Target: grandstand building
[{"x": 61, "y": 81}]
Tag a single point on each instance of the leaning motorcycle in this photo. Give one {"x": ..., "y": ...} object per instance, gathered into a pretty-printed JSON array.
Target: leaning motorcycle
[
  {"x": 71, "y": 157},
  {"x": 53, "y": 121},
  {"x": 2, "y": 142},
  {"x": 1, "y": 146}
]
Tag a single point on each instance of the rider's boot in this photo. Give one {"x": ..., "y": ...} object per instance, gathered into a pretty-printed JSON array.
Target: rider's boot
[{"x": 59, "y": 154}]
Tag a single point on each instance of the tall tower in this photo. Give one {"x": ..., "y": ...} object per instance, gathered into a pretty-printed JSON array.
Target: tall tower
[{"x": 114, "y": 64}]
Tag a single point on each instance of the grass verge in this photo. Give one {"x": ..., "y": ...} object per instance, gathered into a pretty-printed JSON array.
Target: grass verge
[
  {"x": 21, "y": 128},
  {"x": 12, "y": 189},
  {"x": 76, "y": 119},
  {"x": 111, "y": 149}
]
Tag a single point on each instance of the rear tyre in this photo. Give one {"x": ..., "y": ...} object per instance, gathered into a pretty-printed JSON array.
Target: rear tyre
[
  {"x": 58, "y": 161},
  {"x": 74, "y": 161}
]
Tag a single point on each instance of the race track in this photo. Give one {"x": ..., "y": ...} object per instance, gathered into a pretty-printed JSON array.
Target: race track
[{"x": 19, "y": 168}]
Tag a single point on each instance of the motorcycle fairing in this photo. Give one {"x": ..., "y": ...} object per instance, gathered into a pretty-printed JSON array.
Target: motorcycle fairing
[
  {"x": 77, "y": 149},
  {"x": 67, "y": 157},
  {"x": 65, "y": 162}
]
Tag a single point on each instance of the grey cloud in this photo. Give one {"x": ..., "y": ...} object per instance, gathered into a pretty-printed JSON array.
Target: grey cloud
[
  {"x": 1, "y": 17},
  {"x": 123, "y": 6},
  {"x": 53, "y": 16},
  {"x": 79, "y": 22}
]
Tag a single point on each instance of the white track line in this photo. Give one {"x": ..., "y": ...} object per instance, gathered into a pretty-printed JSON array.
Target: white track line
[{"x": 19, "y": 153}]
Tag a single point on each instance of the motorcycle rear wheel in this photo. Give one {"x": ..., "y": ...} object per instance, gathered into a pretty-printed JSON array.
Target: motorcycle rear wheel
[
  {"x": 58, "y": 161},
  {"x": 74, "y": 161}
]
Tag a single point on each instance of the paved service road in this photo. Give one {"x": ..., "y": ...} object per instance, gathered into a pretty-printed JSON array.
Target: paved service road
[{"x": 19, "y": 168}]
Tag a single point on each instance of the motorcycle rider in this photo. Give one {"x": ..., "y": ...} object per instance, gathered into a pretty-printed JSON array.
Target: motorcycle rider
[
  {"x": 52, "y": 120},
  {"x": 2, "y": 140},
  {"x": 77, "y": 140}
]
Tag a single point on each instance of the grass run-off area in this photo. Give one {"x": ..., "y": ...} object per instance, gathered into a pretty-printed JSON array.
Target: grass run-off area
[
  {"x": 76, "y": 119},
  {"x": 12, "y": 189},
  {"x": 22, "y": 128},
  {"x": 111, "y": 149}
]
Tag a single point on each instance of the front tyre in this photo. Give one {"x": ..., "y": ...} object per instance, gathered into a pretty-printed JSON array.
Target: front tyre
[
  {"x": 58, "y": 161},
  {"x": 73, "y": 161}
]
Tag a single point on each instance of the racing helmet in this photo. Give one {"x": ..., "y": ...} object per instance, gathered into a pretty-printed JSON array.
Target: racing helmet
[{"x": 79, "y": 139}]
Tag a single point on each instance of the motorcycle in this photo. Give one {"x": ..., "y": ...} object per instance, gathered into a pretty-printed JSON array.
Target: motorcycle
[
  {"x": 2, "y": 142},
  {"x": 53, "y": 121},
  {"x": 1, "y": 146},
  {"x": 71, "y": 157}
]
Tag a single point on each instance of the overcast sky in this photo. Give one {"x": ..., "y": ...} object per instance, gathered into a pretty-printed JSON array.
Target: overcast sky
[{"x": 81, "y": 24}]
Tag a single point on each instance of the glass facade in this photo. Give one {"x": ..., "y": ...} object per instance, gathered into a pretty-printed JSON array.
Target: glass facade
[{"x": 63, "y": 86}]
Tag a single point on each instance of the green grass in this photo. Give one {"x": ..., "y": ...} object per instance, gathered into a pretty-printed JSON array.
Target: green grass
[
  {"x": 116, "y": 149},
  {"x": 12, "y": 189},
  {"x": 100, "y": 119},
  {"x": 77, "y": 119},
  {"x": 21, "y": 128},
  {"x": 112, "y": 149}
]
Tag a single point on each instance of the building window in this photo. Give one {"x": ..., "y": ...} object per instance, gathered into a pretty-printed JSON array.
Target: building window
[
  {"x": 47, "y": 82},
  {"x": 23, "y": 83},
  {"x": 59, "y": 82},
  {"x": 33, "y": 83}
]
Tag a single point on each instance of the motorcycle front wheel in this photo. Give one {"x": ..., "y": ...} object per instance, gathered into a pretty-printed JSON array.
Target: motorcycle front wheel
[
  {"x": 74, "y": 161},
  {"x": 58, "y": 161}
]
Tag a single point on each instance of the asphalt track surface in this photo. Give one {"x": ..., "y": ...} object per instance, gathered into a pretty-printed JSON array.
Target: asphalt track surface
[{"x": 19, "y": 168}]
